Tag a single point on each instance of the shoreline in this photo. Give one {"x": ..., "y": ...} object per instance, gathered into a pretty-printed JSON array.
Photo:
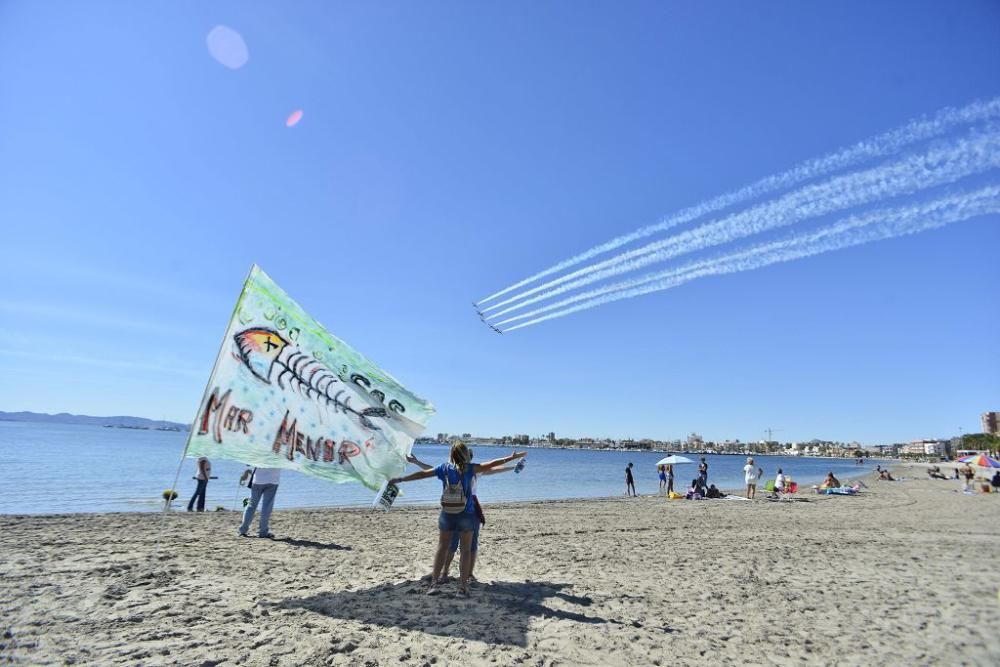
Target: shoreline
[{"x": 358, "y": 508}]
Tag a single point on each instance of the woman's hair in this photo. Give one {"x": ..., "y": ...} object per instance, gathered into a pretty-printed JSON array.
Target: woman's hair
[
  {"x": 749, "y": 460},
  {"x": 460, "y": 455},
  {"x": 779, "y": 470}
]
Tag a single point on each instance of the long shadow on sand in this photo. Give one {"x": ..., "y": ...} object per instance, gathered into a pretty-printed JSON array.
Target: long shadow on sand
[
  {"x": 309, "y": 543},
  {"x": 494, "y": 613}
]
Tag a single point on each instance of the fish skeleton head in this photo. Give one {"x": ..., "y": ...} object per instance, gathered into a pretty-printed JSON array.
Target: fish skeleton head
[{"x": 259, "y": 348}]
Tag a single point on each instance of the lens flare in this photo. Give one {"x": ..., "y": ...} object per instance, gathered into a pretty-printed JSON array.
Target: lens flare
[{"x": 227, "y": 47}]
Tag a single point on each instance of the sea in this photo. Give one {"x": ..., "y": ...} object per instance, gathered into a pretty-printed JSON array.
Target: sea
[{"x": 59, "y": 468}]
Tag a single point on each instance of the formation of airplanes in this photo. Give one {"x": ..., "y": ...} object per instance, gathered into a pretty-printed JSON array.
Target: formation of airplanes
[{"x": 483, "y": 320}]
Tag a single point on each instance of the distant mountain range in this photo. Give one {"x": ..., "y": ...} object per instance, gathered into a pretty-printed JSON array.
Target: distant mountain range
[{"x": 66, "y": 418}]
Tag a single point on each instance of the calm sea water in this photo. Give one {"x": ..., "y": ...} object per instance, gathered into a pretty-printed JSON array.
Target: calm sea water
[{"x": 50, "y": 468}]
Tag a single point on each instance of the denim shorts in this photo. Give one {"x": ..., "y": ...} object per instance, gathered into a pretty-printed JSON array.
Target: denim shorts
[
  {"x": 457, "y": 523},
  {"x": 453, "y": 547}
]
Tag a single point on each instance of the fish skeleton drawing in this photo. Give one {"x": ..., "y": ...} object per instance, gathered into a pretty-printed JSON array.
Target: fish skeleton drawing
[{"x": 263, "y": 351}]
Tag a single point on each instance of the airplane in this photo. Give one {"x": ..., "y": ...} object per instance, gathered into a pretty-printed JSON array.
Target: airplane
[{"x": 493, "y": 327}]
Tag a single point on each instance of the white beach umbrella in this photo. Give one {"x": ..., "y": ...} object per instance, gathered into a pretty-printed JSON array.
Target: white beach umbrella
[{"x": 673, "y": 460}]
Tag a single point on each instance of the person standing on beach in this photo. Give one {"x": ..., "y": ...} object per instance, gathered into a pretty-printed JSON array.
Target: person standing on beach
[
  {"x": 263, "y": 486},
  {"x": 703, "y": 472},
  {"x": 204, "y": 472},
  {"x": 670, "y": 478},
  {"x": 750, "y": 476},
  {"x": 459, "y": 471},
  {"x": 969, "y": 474},
  {"x": 662, "y": 470},
  {"x": 453, "y": 547},
  {"x": 629, "y": 481}
]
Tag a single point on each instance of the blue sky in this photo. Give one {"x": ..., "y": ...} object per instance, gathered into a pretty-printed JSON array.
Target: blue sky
[{"x": 449, "y": 149}]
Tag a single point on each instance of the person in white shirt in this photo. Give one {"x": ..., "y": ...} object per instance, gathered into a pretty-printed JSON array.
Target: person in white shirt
[
  {"x": 779, "y": 483},
  {"x": 204, "y": 473},
  {"x": 263, "y": 486},
  {"x": 750, "y": 475}
]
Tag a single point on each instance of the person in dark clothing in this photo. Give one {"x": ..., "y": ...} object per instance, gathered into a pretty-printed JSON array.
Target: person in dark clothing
[
  {"x": 703, "y": 472},
  {"x": 204, "y": 473},
  {"x": 629, "y": 480}
]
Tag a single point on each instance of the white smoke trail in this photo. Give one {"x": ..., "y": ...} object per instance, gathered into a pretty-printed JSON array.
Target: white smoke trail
[
  {"x": 940, "y": 164},
  {"x": 855, "y": 230},
  {"x": 698, "y": 268},
  {"x": 882, "y": 145}
]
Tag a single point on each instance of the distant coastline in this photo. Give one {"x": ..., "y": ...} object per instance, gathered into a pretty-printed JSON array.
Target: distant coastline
[
  {"x": 660, "y": 448},
  {"x": 120, "y": 421}
]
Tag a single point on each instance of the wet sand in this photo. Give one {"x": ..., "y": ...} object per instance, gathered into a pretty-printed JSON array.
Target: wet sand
[{"x": 898, "y": 575}]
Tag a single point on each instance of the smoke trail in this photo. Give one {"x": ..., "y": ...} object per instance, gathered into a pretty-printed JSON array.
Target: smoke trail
[
  {"x": 939, "y": 165},
  {"x": 698, "y": 268},
  {"x": 888, "y": 143},
  {"x": 855, "y": 230}
]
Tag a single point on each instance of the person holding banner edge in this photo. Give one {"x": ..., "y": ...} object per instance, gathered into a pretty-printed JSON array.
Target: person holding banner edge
[
  {"x": 460, "y": 470},
  {"x": 263, "y": 485}
]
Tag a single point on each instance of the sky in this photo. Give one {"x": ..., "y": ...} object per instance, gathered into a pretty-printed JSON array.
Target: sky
[{"x": 449, "y": 149}]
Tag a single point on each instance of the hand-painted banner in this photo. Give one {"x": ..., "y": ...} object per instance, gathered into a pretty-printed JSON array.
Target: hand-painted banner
[{"x": 286, "y": 393}]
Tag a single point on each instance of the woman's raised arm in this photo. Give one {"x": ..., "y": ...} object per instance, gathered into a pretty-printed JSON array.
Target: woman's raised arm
[
  {"x": 489, "y": 465},
  {"x": 412, "y": 477}
]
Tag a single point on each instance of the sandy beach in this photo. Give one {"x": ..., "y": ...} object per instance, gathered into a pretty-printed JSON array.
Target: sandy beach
[{"x": 898, "y": 575}]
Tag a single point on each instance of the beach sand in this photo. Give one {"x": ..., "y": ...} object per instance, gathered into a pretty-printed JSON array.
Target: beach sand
[{"x": 901, "y": 575}]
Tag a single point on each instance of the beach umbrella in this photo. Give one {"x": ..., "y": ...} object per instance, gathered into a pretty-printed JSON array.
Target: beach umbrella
[
  {"x": 981, "y": 460},
  {"x": 673, "y": 460}
]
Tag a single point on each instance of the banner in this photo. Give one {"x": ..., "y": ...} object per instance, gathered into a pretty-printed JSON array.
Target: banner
[{"x": 286, "y": 393}]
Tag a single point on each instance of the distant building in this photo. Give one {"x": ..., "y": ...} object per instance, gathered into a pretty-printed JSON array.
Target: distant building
[
  {"x": 990, "y": 422},
  {"x": 925, "y": 448}
]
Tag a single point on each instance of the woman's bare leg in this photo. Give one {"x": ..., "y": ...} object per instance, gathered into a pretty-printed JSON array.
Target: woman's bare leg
[
  {"x": 444, "y": 540},
  {"x": 465, "y": 544},
  {"x": 448, "y": 557}
]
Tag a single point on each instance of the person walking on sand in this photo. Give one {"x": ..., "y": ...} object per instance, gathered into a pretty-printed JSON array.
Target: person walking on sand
[
  {"x": 703, "y": 471},
  {"x": 629, "y": 481},
  {"x": 263, "y": 487},
  {"x": 750, "y": 477},
  {"x": 204, "y": 473},
  {"x": 458, "y": 510}
]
